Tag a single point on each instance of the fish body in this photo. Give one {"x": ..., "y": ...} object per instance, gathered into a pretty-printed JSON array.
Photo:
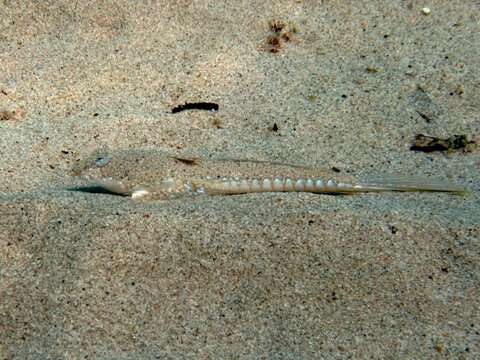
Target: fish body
[{"x": 157, "y": 174}]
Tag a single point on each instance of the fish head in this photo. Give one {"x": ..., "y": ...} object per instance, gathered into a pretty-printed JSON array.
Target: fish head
[{"x": 102, "y": 168}]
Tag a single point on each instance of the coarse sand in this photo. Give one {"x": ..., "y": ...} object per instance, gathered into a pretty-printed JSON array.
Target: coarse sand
[{"x": 334, "y": 84}]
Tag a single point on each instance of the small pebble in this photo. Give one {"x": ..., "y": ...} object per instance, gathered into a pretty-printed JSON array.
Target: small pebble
[{"x": 426, "y": 11}]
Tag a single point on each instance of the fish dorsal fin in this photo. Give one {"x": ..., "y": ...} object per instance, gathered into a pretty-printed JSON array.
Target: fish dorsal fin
[{"x": 187, "y": 160}]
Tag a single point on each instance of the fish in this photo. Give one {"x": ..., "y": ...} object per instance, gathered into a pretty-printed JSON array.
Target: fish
[{"x": 158, "y": 174}]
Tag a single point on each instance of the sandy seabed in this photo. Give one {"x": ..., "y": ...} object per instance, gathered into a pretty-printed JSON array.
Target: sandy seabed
[{"x": 333, "y": 84}]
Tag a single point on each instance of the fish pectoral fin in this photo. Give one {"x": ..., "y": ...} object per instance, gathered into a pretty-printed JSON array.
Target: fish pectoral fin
[
  {"x": 168, "y": 189},
  {"x": 140, "y": 192},
  {"x": 112, "y": 186}
]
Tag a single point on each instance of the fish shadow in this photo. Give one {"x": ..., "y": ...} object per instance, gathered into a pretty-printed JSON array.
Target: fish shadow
[{"x": 93, "y": 190}]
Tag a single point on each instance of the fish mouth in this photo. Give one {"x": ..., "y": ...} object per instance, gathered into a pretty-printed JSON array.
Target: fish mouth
[{"x": 111, "y": 185}]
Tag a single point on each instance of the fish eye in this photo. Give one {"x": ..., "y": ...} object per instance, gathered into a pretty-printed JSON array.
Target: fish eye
[{"x": 102, "y": 160}]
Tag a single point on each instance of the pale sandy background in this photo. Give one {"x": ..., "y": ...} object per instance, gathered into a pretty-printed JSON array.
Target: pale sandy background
[{"x": 95, "y": 276}]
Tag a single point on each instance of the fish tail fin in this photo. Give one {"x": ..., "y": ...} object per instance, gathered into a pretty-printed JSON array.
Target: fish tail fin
[{"x": 407, "y": 183}]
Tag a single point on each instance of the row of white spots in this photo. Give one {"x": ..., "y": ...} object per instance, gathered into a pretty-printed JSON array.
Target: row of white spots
[{"x": 276, "y": 184}]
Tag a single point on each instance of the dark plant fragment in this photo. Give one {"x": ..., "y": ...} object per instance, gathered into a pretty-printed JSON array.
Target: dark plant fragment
[
  {"x": 209, "y": 106},
  {"x": 429, "y": 143},
  {"x": 280, "y": 33}
]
